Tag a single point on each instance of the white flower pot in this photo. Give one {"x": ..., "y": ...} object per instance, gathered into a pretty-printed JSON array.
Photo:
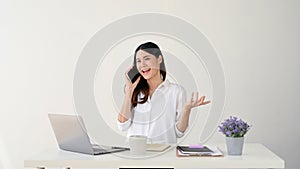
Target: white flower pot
[{"x": 234, "y": 145}]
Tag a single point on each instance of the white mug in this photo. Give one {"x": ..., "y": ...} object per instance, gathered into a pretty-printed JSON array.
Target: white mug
[{"x": 137, "y": 144}]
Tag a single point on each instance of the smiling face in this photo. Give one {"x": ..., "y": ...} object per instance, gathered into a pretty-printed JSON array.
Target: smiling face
[{"x": 147, "y": 64}]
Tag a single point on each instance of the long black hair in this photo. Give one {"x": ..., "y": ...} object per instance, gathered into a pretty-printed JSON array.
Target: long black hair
[{"x": 143, "y": 86}]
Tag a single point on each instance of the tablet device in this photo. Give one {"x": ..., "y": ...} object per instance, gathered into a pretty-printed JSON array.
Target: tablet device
[{"x": 189, "y": 150}]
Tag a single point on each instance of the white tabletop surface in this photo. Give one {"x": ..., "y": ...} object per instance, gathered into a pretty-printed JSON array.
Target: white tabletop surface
[{"x": 254, "y": 156}]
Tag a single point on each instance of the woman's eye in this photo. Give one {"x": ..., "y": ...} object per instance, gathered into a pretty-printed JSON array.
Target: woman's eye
[
  {"x": 138, "y": 61},
  {"x": 147, "y": 58}
]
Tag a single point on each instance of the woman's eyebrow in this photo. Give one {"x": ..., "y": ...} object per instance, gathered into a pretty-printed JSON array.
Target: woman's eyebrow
[
  {"x": 143, "y": 57},
  {"x": 146, "y": 56}
]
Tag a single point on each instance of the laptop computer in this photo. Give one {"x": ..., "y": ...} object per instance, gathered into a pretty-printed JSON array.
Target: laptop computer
[{"x": 71, "y": 135}]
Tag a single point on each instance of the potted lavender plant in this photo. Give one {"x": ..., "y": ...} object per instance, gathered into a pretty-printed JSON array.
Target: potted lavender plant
[{"x": 234, "y": 129}]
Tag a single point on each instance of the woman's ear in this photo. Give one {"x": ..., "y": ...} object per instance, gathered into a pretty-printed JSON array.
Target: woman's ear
[{"x": 160, "y": 58}]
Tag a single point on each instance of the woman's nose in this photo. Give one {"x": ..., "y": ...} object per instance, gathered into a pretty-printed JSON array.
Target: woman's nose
[{"x": 143, "y": 63}]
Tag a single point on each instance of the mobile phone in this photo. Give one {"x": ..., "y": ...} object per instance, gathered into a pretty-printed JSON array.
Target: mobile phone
[{"x": 133, "y": 74}]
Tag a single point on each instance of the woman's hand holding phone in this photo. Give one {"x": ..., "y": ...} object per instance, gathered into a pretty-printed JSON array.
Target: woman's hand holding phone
[{"x": 125, "y": 112}]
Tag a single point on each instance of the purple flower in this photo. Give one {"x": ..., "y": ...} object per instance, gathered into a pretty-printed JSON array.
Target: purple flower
[{"x": 234, "y": 127}]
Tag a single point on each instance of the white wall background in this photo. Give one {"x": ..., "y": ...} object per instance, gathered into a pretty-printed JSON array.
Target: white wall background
[{"x": 258, "y": 43}]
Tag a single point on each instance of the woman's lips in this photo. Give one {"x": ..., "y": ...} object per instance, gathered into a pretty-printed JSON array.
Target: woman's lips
[{"x": 146, "y": 71}]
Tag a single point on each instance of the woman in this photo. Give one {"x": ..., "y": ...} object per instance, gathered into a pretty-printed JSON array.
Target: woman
[{"x": 152, "y": 106}]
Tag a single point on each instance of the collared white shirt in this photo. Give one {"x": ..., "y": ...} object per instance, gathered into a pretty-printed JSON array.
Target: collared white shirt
[{"x": 157, "y": 118}]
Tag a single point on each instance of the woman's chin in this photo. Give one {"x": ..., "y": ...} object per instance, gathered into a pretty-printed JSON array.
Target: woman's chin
[{"x": 146, "y": 77}]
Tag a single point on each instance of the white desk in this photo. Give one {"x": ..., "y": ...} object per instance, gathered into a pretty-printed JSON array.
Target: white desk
[{"x": 254, "y": 156}]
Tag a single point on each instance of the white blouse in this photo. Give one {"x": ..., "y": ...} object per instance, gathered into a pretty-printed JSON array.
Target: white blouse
[{"x": 157, "y": 118}]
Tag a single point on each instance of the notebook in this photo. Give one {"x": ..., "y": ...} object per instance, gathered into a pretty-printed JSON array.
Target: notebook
[{"x": 157, "y": 147}]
